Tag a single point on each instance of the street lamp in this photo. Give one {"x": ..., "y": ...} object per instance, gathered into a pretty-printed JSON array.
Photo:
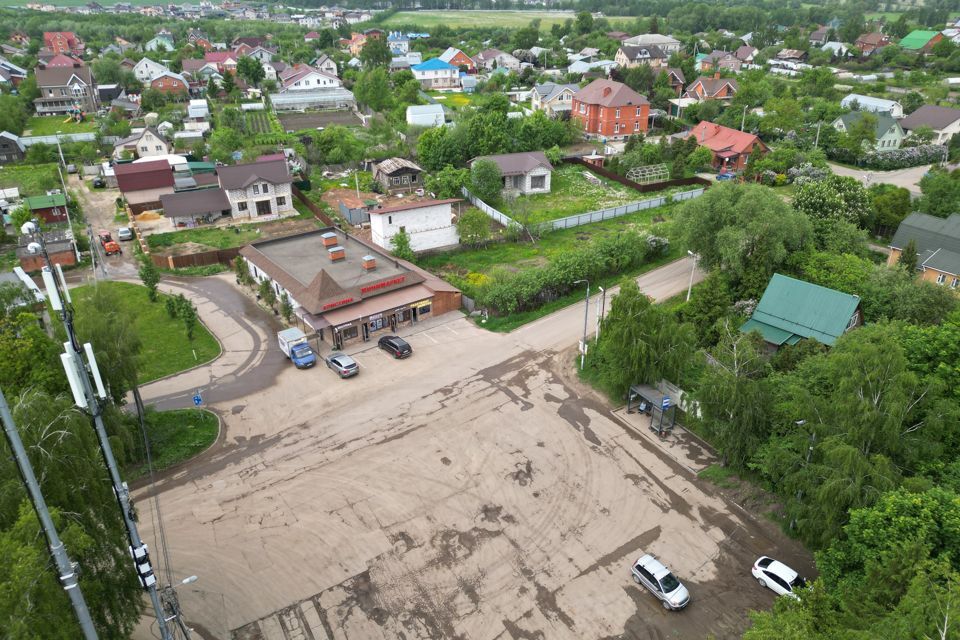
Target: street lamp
[
  {"x": 693, "y": 267},
  {"x": 586, "y": 312}
]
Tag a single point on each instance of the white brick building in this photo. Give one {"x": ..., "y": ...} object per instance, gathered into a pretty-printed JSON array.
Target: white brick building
[
  {"x": 428, "y": 223},
  {"x": 258, "y": 190}
]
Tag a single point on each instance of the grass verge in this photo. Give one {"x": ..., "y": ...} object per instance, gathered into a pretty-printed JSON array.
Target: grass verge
[
  {"x": 176, "y": 436},
  {"x": 165, "y": 349},
  {"x": 723, "y": 477}
]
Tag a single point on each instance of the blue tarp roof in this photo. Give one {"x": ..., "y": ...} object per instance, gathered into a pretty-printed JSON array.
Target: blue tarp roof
[{"x": 433, "y": 64}]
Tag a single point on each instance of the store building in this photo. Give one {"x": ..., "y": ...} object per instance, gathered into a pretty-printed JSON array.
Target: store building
[{"x": 345, "y": 289}]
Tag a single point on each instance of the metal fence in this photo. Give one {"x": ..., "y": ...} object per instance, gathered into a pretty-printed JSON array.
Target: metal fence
[{"x": 585, "y": 218}]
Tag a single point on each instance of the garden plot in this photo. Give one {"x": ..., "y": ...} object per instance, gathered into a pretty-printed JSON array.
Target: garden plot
[
  {"x": 300, "y": 121},
  {"x": 573, "y": 190}
]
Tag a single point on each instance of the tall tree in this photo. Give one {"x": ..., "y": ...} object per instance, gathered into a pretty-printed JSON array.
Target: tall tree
[
  {"x": 250, "y": 70},
  {"x": 734, "y": 397},
  {"x": 375, "y": 53},
  {"x": 908, "y": 258},
  {"x": 372, "y": 88}
]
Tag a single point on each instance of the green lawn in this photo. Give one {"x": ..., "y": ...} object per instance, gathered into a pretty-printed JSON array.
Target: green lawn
[
  {"x": 506, "y": 19},
  {"x": 455, "y": 100},
  {"x": 49, "y": 125},
  {"x": 32, "y": 180},
  {"x": 571, "y": 193},
  {"x": 213, "y": 237},
  {"x": 467, "y": 268},
  {"x": 165, "y": 348},
  {"x": 175, "y": 436}
]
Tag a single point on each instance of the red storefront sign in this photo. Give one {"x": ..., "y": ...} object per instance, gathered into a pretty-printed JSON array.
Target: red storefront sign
[
  {"x": 382, "y": 285},
  {"x": 338, "y": 303}
]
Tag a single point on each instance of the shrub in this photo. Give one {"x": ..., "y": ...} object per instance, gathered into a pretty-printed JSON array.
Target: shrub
[{"x": 902, "y": 158}]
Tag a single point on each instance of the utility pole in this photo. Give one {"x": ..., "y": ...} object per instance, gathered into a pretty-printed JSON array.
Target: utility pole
[
  {"x": 68, "y": 576},
  {"x": 586, "y": 313},
  {"x": 78, "y": 372},
  {"x": 693, "y": 268},
  {"x": 816, "y": 141},
  {"x": 602, "y": 299},
  {"x": 60, "y": 151},
  {"x": 743, "y": 118}
]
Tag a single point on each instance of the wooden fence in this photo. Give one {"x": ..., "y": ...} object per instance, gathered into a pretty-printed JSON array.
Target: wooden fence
[
  {"x": 202, "y": 259},
  {"x": 314, "y": 209}
]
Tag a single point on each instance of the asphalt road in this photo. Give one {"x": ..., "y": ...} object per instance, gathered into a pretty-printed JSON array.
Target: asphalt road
[{"x": 475, "y": 490}]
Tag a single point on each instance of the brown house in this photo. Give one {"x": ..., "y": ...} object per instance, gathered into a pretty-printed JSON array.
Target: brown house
[
  {"x": 60, "y": 248},
  {"x": 609, "y": 109},
  {"x": 870, "y": 42},
  {"x": 711, "y": 88},
  {"x": 170, "y": 83},
  {"x": 398, "y": 175}
]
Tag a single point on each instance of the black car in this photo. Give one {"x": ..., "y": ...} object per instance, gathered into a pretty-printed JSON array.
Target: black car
[{"x": 396, "y": 346}]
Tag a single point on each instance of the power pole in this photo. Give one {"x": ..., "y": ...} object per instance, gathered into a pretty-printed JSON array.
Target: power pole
[
  {"x": 68, "y": 576},
  {"x": 816, "y": 140},
  {"x": 78, "y": 370},
  {"x": 743, "y": 118}
]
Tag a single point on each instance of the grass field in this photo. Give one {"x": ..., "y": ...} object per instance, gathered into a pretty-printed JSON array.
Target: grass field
[
  {"x": 176, "y": 436},
  {"x": 571, "y": 193},
  {"x": 508, "y": 19},
  {"x": 32, "y": 179},
  {"x": 165, "y": 348},
  {"x": 49, "y": 125},
  {"x": 456, "y": 100}
]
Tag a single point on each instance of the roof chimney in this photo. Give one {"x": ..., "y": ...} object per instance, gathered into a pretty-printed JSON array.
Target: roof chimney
[
  {"x": 329, "y": 239},
  {"x": 716, "y": 75},
  {"x": 607, "y": 91},
  {"x": 336, "y": 253},
  {"x": 369, "y": 263}
]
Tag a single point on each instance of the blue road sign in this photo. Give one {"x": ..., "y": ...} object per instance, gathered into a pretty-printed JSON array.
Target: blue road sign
[
  {"x": 666, "y": 403},
  {"x": 197, "y": 400}
]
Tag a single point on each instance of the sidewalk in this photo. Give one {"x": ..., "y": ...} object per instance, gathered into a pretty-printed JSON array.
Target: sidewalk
[{"x": 681, "y": 445}]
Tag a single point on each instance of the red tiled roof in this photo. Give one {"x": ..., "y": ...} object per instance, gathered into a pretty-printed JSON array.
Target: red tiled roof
[
  {"x": 718, "y": 138},
  {"x": 218, "y": 57},
  {"x": 609, "y": 93},
  {"x": 137, "y": 176}
]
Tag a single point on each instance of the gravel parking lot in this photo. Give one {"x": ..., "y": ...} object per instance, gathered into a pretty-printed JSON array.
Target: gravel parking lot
[{"x": 475, "y": 490}]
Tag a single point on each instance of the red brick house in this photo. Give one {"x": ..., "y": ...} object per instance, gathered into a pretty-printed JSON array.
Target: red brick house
[
  {"x": 458, "y": 58},
  {"x": 711, "y": 88},
  {"x": 170, "y": 83},
  {"x": 609, "y": 109},
  {"x": 60, "y": 248},
  {"x": 731, "y": 148},
  {"x": 63, "y": 42}
]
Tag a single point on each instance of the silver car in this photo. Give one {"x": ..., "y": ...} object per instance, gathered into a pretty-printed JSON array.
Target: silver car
[
  {"x": 124, "y": 233},
  {"x": 658, "y": 580},
  {"x": 344, "y": 365}
]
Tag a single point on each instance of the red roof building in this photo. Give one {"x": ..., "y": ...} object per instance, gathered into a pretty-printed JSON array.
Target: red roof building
[
  {"x": 63, "y": 42},
  {"x": 610, "y": 110},
  {"x": 142, "y": 183},
  {"x": 731, "y": 148}
]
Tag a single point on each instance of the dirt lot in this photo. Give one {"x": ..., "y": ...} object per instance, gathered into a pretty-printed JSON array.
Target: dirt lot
[
  {"x": 298, "y": 121},
  {"x": 475, "y": 490}
]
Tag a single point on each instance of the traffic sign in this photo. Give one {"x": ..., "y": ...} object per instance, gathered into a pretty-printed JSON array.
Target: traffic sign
[
  {"x": 666, "y": 403},
  {"x": 197, "y": 400}
]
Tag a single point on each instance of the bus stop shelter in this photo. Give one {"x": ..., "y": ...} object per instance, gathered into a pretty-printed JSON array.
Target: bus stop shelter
[{"x": 643, "y": 398}]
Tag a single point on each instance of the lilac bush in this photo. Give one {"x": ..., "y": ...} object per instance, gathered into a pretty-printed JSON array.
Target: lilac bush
[{"x": 906, "y": 157}]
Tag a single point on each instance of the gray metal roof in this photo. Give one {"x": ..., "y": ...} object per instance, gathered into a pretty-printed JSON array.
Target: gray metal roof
[
  {"x": 937, "y": 118},
  {"x": 937, "y": 240},
  {"x": 513, "y": 164},
  {"x": 242, "y": 175}
]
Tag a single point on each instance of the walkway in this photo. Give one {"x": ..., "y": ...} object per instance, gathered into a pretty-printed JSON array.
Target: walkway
[{"x": 906, "y": 178}]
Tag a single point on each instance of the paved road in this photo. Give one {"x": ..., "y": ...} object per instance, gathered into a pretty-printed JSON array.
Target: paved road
[
  {"x": 907, "y": 178},
  {"x": 475, "y": 490}
]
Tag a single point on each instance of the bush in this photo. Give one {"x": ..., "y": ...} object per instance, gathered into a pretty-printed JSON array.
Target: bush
[
  {"x": 903, "y": 158},
  {"x": 509, "y": 293}
]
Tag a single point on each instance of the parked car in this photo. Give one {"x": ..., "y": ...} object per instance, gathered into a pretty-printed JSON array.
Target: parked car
[
  {"x": 395, "y": 346},
  {"x": 777, "y": 577},
  {"x": 124, "y": 233},
  {"x": 658, "y": 580},
  {"x": 71, "y": 168},
  {"x": 109, "y": 246},
  {"x": 726, "y": 176},
  {"x": 99, "y": 183},
  {"x": 344, "y": 365}
]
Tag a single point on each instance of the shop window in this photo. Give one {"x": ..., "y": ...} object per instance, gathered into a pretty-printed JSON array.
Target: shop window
[
  {"x": 349, "y": 333},
  {"x": 424, "y": 310}
]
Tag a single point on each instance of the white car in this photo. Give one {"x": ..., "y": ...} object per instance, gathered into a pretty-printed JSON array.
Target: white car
[
  {"x": 658, "y": 580},
  {"x": 777, "y": 577}
]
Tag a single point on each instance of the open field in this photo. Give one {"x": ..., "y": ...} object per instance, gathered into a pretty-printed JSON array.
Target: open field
[
  {"x": 571, "y": 193},
  {"x": 312, "y": 120},
  {"x": 49, "y": 125},
  {"x": 31, "y": 179},
  {"x": 508, "y": 19},
  {"x": 165, "y": 348}
]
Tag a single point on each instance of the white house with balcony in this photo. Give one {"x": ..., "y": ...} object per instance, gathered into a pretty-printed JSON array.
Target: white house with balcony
[
  {"x": 436, "y": 74},
  {"x": 258, "y": 190},
  {"x": 428, "y": 223}
]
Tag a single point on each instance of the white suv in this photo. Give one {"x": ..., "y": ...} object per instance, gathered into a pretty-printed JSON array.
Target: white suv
[
  {"x": 658, "y": 580},
  {"x": 777, "y": 577}
]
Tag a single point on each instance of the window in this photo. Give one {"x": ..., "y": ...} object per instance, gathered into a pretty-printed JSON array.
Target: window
[
  {"x": 406, "y": 179},
  {"x": 281, "y": 201},
  {"x": 638, "y": 111},
  {"x": 266, "y": 188},
  {"x": 636, "y": 126},
  {"x": 583, "y": 108},
  {"x": 144, "y": 148},
  {"x": 413, "y": 178},
  {"x": 395, "y": 180},
  {"x": 241, "y": 206},
  {"x": 854, "y": 319},
  {"x": 778, "y": 580},
  {"x": 941, "y": 278},
  {"x": 956, "y": 281},
  {"x": 618, "y": 113},
  {"x": 256, "y": 189},
  {"x": 159, "y": 147},
  {"x": 389, "y": 219},
  {"x": 538, "y": 182}
]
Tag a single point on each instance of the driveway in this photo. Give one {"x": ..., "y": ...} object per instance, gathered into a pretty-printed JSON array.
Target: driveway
[
  {"x": 475, "y": 490},
  {"x": 100, "y": 209},
  {"x": 906, "y": 178}
]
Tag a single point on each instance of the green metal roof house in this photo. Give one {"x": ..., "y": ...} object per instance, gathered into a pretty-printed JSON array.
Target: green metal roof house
[
  {"x": 920, "y": 40},
  {"x": 52, "y": 208},
  {"x": 791, "y": 310}
]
